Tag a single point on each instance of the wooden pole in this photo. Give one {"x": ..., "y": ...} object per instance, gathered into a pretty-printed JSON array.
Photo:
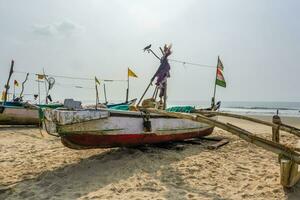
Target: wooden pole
[
  {"x": 39, "y": 91},
  {"x": 97, "y": 95},
  {"x": 275, "y": 131},
  {"x": 243, "y": 134},
  {"x": 215, "y": 88},
  {"x": 127, "y": 91},
  {"x": 14, "y": 95},
  {"x": 165, "y": 96},
  {"x": 8, "y": 80},
  {"x": 144, "y": 93},
  {"x": 289, "y": 174},
  {"x": 46, "y": 90},
  {"x": 104, "y": 89},
  {"x": 23, "y": 85},
  {"x": 282, "y": 127}
]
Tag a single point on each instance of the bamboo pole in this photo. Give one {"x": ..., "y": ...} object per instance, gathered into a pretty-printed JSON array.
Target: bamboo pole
[
  {"x": 282, "y": 127},
  {"x": 243, "y": 134}
]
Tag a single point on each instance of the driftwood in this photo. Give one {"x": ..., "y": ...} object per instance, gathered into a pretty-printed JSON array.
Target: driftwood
[
  {"x": 282, "y": 126},
  {"x": 243, "y": 134}
]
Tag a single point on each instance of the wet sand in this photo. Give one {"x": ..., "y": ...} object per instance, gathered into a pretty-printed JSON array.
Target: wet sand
[{"x": 33, "y": 166}]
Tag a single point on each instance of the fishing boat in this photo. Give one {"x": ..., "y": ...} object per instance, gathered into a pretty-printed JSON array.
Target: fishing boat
[
  {"x": 102, "y": 128},
  {"x": 18, "y": 112}
]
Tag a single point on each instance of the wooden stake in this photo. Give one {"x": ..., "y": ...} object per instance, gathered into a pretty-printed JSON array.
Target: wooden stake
[
  {"x": 275, "y": 131},
  {"x": 289, "y": 174}
]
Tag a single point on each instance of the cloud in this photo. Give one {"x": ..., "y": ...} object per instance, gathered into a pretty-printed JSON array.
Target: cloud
[{"x": 63, "y": 28}]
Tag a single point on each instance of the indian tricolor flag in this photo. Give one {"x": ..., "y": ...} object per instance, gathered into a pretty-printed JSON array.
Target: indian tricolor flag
[{"x": 220, "y": 78}]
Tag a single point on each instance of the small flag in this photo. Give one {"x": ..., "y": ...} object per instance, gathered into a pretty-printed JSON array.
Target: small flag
[
  {"x": 16, "y": 83},
  {"x": 131, "y": 73},
  {"x": 40, "y": 76},
  {"x": 97, "y": 81},
  {"x": 3, "y": 95},
  {"x": 220, "y": 80}
]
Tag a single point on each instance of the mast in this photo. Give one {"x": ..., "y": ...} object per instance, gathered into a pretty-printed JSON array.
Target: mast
[
  {"x": 7, "y": 83},
  {"x": 127, "y": 90}
]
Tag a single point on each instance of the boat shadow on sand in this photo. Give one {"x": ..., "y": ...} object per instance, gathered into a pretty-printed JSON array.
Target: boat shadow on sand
[
  {"x": 110, "y": 168},
  {"x": 111, "y": 171}
]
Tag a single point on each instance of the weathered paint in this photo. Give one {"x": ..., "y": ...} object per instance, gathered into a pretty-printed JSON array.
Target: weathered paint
[
  {"x": 89, "y": 140},
  {"x": 106, "y": 128},
  {"x": 19, "y": 116}
]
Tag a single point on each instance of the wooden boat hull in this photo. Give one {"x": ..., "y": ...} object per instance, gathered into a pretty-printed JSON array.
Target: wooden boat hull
[
  {"x": 18, "y": 116},
  {"x": 111, "y": 128},
  {"x": 89, "y": 140},
  {"x": 16, "y": 113}
]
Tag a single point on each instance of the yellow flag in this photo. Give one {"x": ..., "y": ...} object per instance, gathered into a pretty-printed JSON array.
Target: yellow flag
[
  {"x": 131, "y": 73},
  {"x": 16, "y": 83},
  {"x": 97, "y": 81}
]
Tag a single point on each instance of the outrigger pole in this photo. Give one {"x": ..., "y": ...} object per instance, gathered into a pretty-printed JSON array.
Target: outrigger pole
[
  {"x": 289, "y": 157},
  {"x": 7, "y": 83}
]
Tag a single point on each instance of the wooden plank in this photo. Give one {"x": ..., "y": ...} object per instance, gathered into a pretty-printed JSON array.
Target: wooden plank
[{"x": 218, "y": 144}]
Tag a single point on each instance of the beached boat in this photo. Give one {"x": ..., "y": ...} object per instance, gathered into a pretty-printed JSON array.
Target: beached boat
[
  {"x": 104, "y": 128},
  {"x": 18, "y": 113}
]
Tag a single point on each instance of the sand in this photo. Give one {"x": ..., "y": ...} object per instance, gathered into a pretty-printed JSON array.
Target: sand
[{"x": 40, "y": 167}]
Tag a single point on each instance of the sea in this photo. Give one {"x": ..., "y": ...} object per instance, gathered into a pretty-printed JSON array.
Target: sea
[{"x": 291, "y": 109}]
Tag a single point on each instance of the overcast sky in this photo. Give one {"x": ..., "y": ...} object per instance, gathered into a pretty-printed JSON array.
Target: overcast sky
[{"x": 257, "y": 40}]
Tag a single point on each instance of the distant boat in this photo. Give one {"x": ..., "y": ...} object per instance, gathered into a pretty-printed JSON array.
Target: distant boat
[
  {"x": 122, "y": 106},
  {"x": 18, "y": 113}
]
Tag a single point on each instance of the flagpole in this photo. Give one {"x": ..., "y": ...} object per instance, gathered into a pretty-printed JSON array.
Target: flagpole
[
  {"x": 7, "y": 83},
  {"x": 127, "y": 91},
  {"x": 14, "y": 96},
  {"x": 213, "y": 99},
  {"x": 104, "y": 89},
  {"x": 97, "y": 95},
  {"x": 46, "y": 90},
  {"x": 39, "y": 91}
]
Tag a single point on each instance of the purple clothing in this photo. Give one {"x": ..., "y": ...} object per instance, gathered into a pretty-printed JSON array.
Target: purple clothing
[{"x": 163, "y": 71}]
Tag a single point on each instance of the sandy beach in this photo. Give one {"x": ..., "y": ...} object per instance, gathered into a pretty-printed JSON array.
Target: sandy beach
[{"x": 35, "y": 166}]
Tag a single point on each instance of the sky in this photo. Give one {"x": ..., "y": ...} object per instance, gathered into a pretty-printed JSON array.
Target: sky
[{"x": 258, "y": 42}]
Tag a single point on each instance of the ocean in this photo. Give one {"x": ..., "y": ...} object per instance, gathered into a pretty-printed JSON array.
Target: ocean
[{"x": 291, "y": 109}]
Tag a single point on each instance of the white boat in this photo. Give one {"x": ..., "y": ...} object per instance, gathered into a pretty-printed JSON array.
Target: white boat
[{"x": 82, "y": 129}]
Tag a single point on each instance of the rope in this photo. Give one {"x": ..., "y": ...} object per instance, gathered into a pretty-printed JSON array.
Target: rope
[
  {"x": 73, "y": 77},
  {"x": 194, "y": 64}
]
